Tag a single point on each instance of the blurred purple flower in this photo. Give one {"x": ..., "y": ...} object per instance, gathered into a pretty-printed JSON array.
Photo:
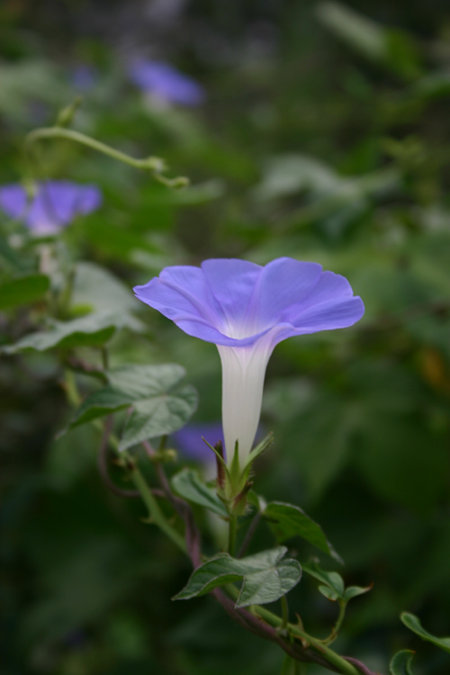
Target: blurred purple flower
[
  {"x": 246, "y": 310},
  {"x": 166, "y": 83},
  {"x": 189, "y": 441},
  {"x": 84, "y": 77},
  {"x": 55, "y": 204}
]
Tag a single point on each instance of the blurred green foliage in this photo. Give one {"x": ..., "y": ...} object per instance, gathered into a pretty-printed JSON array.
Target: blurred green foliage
[{"x": 325, "y": 137}]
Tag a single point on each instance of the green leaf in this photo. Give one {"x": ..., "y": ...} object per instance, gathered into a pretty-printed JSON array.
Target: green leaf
[
  {"x": 160, "y": 407},
  {"x": 353, "y": 591},
  {"x": 188, "y": 485},
  {"x": 413, "y": 623},
  {"x": 100, "y": 290},
  {"x": 401, "y": 663},
  {"x": 333, "y": 580},
  {"x": 91, "y": 330},
  {"x": 329, "y": 593},
  {"x": 266, "y": 577},
  {"x": 159, "y": 415},
  {"x": 23, "y": 291},
  {"x": 143, "y": 381},
  {"x": 287, "y": 520},
  {"x": 100, "y": 403}
]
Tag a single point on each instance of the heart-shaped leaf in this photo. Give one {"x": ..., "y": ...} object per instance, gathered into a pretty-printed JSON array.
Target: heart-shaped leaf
[
  {"x": 287, "y": 520},
  {"x": 265, "y": 576},
  {"x": 160, "y": 407}
]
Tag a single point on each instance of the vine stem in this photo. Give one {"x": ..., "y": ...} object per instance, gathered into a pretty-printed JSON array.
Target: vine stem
[
  {"x": 284, "y": 612},
  {"x": 275, "y": 621},
  {"x": 156, "y": 515},
  {"x": 232, "y": 535},
  {"x": 153, "y": 164}
]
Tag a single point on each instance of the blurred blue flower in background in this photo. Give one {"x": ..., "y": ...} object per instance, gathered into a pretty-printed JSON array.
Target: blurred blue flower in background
[
  {"x": 166, "y": 83},
  {"x": 54, "y": 205},
  {"x": 84, "y": 77},
  {"x": 188, "y": 441}
]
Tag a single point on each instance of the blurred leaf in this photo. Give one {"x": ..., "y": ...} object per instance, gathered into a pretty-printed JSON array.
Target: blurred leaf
[
  {"x": 188, "y": 485},
  {"x": 92, "y": 330},
  {"x": 401, "y": 663},
  {"x": 23, "y": 291},
  {"x": 266, "y": 577},
  {"x": 358, "y": 31},
  {"x": 318, "y": 437},
  {"x": 199, "y": 193},
  {"x": 26, "y": 80},
  {"x": 403, "y": 461},
  {"x": 391, "y": 47},
  {"x": 413, "y": 623},
  {"x": 288, "y": 521},
  {"x": 96, "y": 287},
  {"x": 290, "y": 173},
  {"x": 113, "y": 240},
  {"x": 332, "y": 580}
]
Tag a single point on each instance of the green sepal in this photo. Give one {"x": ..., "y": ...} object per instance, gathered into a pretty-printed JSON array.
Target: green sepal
[
  {"x": 235, "y": 469},
  {"x": 188, "y": 484},
  {"x": 268, "y": 440},
  {"x": 219, "y": 457}
]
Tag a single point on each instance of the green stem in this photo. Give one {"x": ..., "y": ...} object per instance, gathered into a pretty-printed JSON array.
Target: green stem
[
  {"x": 338, "y": 624},
  {"x": 276, "y": 622},
  {"x": 232, "y": 534},
  {"x": 71, "y": 389},
  {"x": 156, "y": 515},
  {"x": 289, "y": 666},
  {"x": 284, "y": 612},
  {"x": 153, "y": 164}
]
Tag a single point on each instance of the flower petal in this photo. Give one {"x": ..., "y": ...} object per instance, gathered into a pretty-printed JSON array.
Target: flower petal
[
  {"x": 13, "y": 200},
  {"x": 283, "y": 283},
  {"x": 232, "y": 282}
]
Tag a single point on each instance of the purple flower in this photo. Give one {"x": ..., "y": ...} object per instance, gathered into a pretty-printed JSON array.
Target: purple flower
[
  {"x": 55, "y": 204},
  {"x": 166, "y": 83},
  {"x": 189, "y": 440},
  {"x": 246, "y": 310}
]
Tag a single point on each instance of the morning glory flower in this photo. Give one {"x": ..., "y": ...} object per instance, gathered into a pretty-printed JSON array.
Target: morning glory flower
[
  {"x": 166, "y": 83},
  {"x": 246, "y": 310},
  {"x": 55, "y": 204}
]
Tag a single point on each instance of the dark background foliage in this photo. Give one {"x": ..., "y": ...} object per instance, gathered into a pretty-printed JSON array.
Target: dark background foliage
[{"x": 313, "y": 143}]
